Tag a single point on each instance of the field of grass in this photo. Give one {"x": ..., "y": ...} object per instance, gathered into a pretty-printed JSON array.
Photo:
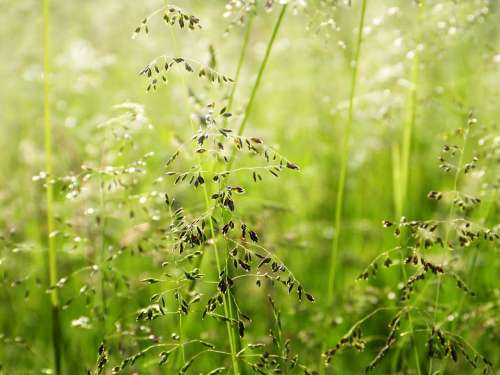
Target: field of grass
[{"x": 249, "y": 187}]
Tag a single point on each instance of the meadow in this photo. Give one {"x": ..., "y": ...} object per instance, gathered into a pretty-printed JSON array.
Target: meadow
[{"x": 249, "y": 187}]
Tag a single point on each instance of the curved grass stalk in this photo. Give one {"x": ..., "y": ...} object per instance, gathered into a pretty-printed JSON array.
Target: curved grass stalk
[
  {"x": 250, "y": 103},
  {"x": 471, "y": 267},
  {"x": 410, "y": 321},
  {"x": 52, "y": 253}
]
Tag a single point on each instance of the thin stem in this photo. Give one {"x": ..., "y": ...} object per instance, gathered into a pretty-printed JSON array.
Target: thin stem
[
  {"x": 345, "y": 156},
  {"x": 240, "y": 132},
  {"x": 410, "y": 321},
  {"x": 181, "y": 329},
  {"x": 280, "y": 343},
  {"x": 262, "y": 68},
  {"x": 182, "y": 343},
  {"x": 407, "y": 136},
  {"x": 230, "y": 328},
  {"x": 343, "y": 167},
  {"x": 402, "y": 164},
  {"x": 52, "y": 261},
  {"x": 415, "y": 350},
  {"x": 102, "y": 256},
  {"x": 241, "y": 129},
  {"x": 226, "y": 303},
  {"x": 260, "y": 74},
  {"x": 374, "y": 312},
  {"x": 241, "y": 60},
  {"x": 181, "y": 339},
  {"x": 450, "y": 216}
]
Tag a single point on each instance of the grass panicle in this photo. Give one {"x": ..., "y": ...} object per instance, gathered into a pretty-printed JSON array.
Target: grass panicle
[{"x": 184, "y": 230}]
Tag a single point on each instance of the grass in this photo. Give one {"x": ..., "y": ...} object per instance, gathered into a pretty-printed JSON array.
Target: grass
[
  {"x": 253, "y": 93},
  {"x": 339, "y": 201},
  {"x": 228, "y": 306},
  {"x": 451, "y": 215},
  {"x": 52, "y": 251},
  {"x": 287, "y": 188},
  {"x": 345, "y": 157},
  {"x": 232, "y": 335},
  {"x": 402, "y": 164}
]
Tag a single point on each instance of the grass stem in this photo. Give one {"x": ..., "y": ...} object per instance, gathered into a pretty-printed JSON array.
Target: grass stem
[
  {"x": 232, "y": 336},
  {"x": 260, "y": 74},
  {"x": 447, "y": 233},
  {"x": 52, "y": 255},
  {"x": 345, "y": 156},
  {"x": 402, "y": 165},
  {"x": 343, "y": 167},
  {"x": 407, "y": 139},
  {"x": 241, "y": 60},
  {"x": 230, "y": 101}
]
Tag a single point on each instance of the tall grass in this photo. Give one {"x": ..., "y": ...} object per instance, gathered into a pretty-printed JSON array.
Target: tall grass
[
  {"x": 260, "y": 74},
  {"x": 52, "y": 252},
  {"x": 339, "y": 201},
  {"x": 242, "y": 126},
  {"x": 401, "y": 163},
  {"x": 231, "y": 330},
  {"x": 167, "y": 250},
  {"x": 402, "y": 159},
  {"x": 344, "y": 154},
  {"x": 241, "y": 60},
  {"x": 451, "y": 214},
  {"x": 248, "y": 108}
]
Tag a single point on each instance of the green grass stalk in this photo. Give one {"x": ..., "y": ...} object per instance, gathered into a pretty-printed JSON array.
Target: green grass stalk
[
  {"x": 256, "y": 85},
  {"x": 231, "y": 331},
  {"x": 260, "y": 74},
  {"x": 102, "y": 254},
  {"x": 343, "y": 167},
  {"x": 230, "y": 101},
  {"x": 233, "y": 336},
  {"x": 447, "y": 234},
  {"x": 410, "y": 322},
  {"x": 251, "y": 100},
  {"x": 226, "y": 302},
  {"x": 401, "y": 162},
  {"x": 404, "y": 160},
  {"x": 52, "y": 254},
  {"x": 345, "y": 155},
  {"x": 241, "y": 60}
]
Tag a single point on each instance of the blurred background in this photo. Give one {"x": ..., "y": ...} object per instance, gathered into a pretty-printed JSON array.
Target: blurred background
[{"x": 301, "y": 109}]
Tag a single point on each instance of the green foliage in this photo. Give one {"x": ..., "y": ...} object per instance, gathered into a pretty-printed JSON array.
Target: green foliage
[{"x": 294, "y": 187}]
